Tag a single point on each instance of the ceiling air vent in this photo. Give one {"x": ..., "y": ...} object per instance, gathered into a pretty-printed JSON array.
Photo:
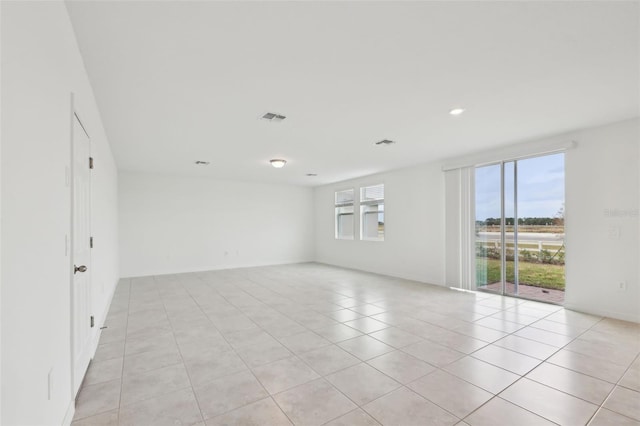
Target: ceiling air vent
[
  {"x": 272, "y": 116},
  {"x": 385, "y": 142}
]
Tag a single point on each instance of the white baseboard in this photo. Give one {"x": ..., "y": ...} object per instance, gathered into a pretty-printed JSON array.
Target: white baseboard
[
  {"x": 391, "y": 274},
  {"x": 215, "y": 268},
  {"x": 604, "y": 313},
  {"x": 71, "y": 411},
  {"x": 99, "y": 321}
]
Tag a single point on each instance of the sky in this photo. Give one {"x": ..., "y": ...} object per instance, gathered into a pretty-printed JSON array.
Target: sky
[{"x": 540, "y": 188}]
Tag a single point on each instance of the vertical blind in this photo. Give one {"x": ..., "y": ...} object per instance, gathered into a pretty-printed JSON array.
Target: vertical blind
[
  {"x": 459, "y": 228},
  {"x": 460, "y": 205}
]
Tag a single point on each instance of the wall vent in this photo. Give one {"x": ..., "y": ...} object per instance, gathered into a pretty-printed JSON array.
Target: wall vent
[{"x": 272, "y": 116}]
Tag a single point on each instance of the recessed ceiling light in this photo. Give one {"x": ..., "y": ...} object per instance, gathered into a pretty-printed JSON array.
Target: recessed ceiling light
[
  {"x": 385, "y": 142},
  {"x": 202, "y": 163},
  {"x": 278, "y": 163},
  {"x": 456, "y": 111},
  {"x": 312, "y": 174}
]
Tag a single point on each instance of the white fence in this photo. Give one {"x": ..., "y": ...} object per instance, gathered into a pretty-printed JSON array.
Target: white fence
[{"x": 529, "y": 245}]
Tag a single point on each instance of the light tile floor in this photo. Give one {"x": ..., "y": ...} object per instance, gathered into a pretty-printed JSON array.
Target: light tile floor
[{"x": 311, "y": 344}]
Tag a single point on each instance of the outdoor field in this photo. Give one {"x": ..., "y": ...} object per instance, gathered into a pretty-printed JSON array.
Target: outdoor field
[
  {"x": 533, "y": 274},
  {"x": 541, "y": 254}
]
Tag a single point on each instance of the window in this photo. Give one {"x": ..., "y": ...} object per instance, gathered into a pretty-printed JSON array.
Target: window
[
  {"x": 344, "y": 215},
  {"x": 372, "y": 213}
]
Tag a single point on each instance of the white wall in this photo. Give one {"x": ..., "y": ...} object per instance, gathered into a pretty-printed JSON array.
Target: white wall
[
  {"x": 1, "y": 137},
  {"x": 40, "y": 71},
  {"x": 105, "y": 260},
  {"x": 414, "y": 226},
  {"x": 178, "y": 224},
  {"x": 602, "y": 247},
  {"x": 601, "y": 174}
]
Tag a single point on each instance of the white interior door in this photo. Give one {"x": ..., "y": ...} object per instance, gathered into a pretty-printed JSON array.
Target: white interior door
[{"x": 81, "y": 254}]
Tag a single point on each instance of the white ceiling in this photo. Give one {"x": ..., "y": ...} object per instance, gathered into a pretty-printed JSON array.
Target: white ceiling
[{"x": 183, "y": 81}]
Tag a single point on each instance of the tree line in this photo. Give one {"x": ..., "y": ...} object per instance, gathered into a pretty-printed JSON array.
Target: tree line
[{"x": 531, "y": 221}]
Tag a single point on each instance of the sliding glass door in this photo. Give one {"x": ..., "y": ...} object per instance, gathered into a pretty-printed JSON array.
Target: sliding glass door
[
  {"x": 488, "y": 184},
  {"x": 520, "y": 228}
]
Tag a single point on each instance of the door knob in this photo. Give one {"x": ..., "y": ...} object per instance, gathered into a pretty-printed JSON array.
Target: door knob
[{"x": 80, "y": 268}]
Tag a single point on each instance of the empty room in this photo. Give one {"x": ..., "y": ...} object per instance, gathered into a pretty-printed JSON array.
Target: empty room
[{"x": 319, "y": 213}]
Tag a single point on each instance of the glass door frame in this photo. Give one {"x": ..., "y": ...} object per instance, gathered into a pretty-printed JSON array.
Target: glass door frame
[
  {"x": 503, "y": 251},
  {"x": 503, "y": 269},
  {"x": 503, "y": 221}
]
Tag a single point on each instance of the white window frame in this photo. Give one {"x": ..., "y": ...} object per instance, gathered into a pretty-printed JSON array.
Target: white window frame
[
  {"x": 337, "y": 205},
  {"x": 361, "y": 208}
]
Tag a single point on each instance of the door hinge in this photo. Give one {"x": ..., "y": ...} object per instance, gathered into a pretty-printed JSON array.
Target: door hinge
[
  {"x": 90, "y": 242},
  {"x": 91, "y": 162},
  {"x": 92, "y": 321}
]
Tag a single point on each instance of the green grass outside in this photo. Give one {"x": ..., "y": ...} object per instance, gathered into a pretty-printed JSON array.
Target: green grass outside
[{"x": 533, "y": 274}]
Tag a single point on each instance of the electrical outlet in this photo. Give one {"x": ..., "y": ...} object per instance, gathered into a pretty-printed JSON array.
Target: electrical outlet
[
  {"x": 622, "y": 286},
  {"x": 614, "y": 232}
]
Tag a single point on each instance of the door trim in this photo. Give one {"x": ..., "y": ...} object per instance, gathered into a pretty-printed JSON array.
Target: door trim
[{"x": 70, "y": 238}]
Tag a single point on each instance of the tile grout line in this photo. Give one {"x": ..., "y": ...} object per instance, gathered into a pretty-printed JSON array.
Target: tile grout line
[
  {"x": 319, "y": 378},
  {"x": 237, "y": 354},
  {"x": 124, "y": 351},
  {"x": 616, "y": 385},
  {"x": 497, "y": 395},
  {"x": 147, "y": 398},
  {"x": 289, "y": 289},
  {"x": 550, "y": 387},
  {"x": 180, "y": 352}
]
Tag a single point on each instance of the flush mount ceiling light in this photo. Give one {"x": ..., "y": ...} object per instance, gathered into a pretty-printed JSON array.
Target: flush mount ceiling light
[
  {"x": 273, "y": 117},
  {"x": 202, "y": 163},
  {"x": 278, "y": 163},
  {"x": 385, "y": 142},
  {"x": 456, "y": 111}
]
